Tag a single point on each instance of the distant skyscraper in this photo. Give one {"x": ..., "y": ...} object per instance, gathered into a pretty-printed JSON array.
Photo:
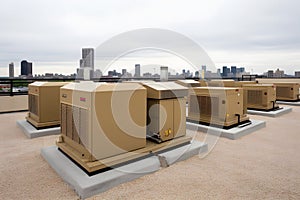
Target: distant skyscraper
[
  {"x": 137, "y": 70},
  {"x": 29, "y": 69},
  {"x": 279, "y": 73},
  {"x": 124, "y": 72},
  {"x": 233, "y": 70},
  {"x": 225, "y": 71},
  {"x": 270, "y": 73},
  {"x": 26, "y": 68},
  {"x": 164, "y": 73},
  {"x": 204, "y": 68},
  {"x": 87, "y": 58},
  {"x": 11, "y": 70},
  {"x": 297, "y": 74}
]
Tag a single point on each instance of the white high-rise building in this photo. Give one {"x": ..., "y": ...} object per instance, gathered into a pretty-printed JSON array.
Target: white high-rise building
[
  {"x": 88, "y": 58},
  {"x": 11, "y": 70},
  {"x": 137, "y": 70}
]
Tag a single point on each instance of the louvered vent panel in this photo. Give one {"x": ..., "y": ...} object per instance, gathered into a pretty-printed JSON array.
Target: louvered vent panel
[
  {"x": 255, "y": 97},
  {"x": 283, "y": 91},
  {"x": 74, "y": 123},
  {"x": 33, "y": 104},
  {"x": 205, "y": 105}
]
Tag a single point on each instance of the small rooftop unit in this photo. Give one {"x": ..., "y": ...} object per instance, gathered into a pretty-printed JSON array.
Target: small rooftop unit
[
  {"x": 261, "y": 96},
  {"x": 217, "y": 106},
  {"x": 166, "y": 110},
  {"x": 43, "y": 104},
  {"x": 287, "y": 91}
]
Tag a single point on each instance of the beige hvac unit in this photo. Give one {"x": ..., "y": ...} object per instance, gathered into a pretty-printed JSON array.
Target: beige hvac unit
[
  {"x": 261, "y": 96},
  {"x": 221, "y": 83},
  {"x": 101, "y": 120},
  {"x": 166, "y": 110},
  {"x": 287, "y": 91},
  {"x": 43, "y": 104},
  {"x": 217, "y": 106}
]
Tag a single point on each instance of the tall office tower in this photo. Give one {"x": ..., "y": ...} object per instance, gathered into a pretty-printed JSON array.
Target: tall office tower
[
  {"x": 204, "y": 68},
  {"x": 297, "y": 73},
  {"x": 29, "y": 68},
  {"x": 124, "y": 72},
  {"x": 233, "y": 70},
  {"x": 26, "y": 68},
  {"x": 137, "y": 70},
  {"x": 88, "y": 57},
  {"x": 11, "y": 70},
  {"x": 270, "y": 73},
  {"x": 225, "y": 71},
  {"x": 164, "y": 73}
]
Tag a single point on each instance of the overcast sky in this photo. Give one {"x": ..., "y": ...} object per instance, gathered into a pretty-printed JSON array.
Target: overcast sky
[{"x": 256, "y": 34}]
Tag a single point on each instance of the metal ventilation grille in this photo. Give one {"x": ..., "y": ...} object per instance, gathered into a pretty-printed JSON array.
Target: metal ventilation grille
[
  {"x": 74, "y": 123},
  {"x": 255, "y": 97},
  {"x": 33, "y": 104},
  {"x": 282, "y": 91},
  {"x": 204, "y": 105}
]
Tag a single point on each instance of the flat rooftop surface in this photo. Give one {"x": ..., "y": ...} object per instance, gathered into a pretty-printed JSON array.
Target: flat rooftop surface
[{"x": 262, "y": 165}]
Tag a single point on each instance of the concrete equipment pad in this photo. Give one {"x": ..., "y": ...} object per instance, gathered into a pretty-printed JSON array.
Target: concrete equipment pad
[
  {"x": 290, "y": 103},
  {"x": 31, "y": 132},
  {"x": 86, "y": 186},
  {"x": 275, "y": 113},
  {"x": 233, "y": 133}
]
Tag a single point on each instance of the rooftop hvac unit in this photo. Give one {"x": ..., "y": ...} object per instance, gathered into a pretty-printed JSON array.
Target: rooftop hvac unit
[
  {"x": 261, "y": 96},
  {"x": 43, "y": 104},
  {"x": 221, "y": 107},
  {"x": 287, "y": 91},
  {"x": 221, "y": 83},
  {"x": 166, "y": 110},
  {"x": 101, "y": 120}
]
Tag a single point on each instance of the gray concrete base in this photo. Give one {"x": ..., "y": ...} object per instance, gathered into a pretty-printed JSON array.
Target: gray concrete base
[
  {"x": 233, "y": 133},
  {"x": 275, "y": 113},
  {"x": 86, "y": 186},
  {"x": 31, "y": 132},
  {"x": 289, "y": 103}
]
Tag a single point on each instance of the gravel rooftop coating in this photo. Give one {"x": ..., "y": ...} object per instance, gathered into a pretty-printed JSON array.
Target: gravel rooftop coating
[{"x": 262, "y": 165}]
